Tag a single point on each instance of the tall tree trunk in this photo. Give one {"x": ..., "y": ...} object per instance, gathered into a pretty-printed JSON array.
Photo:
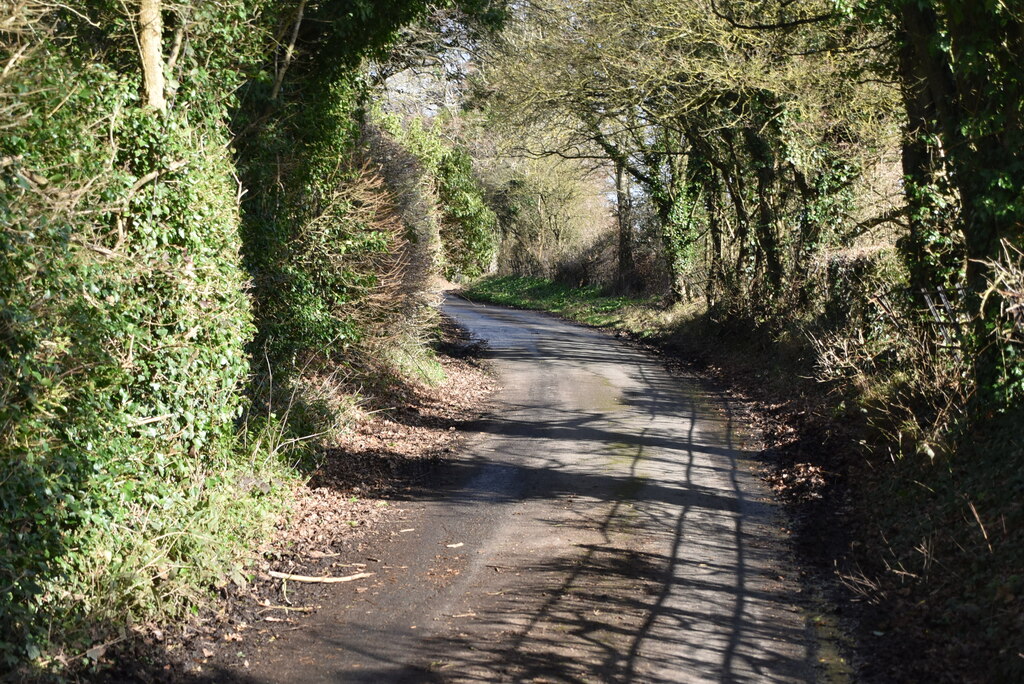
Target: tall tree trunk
[
  {"x": 624, "y": 205},
  {"x": 764, "y": 169},
  {"x": 986, "y": 139},
  {"x": 676, "y": 226},
  {"x": 732, "y": 174},
  {"x": 809, "y": 233},
  {"x": 668, "y": 216},
  {"x": 151, "y": 53},
  {"x": 986, "y": 46},
  {"x": 928, "y": 95},
  {"x": 716, "y": 267},
  {"x": 289, "y": 53}
]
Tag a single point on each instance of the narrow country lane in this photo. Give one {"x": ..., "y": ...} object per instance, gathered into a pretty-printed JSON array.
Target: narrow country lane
[{"x": 602, "y": 526}]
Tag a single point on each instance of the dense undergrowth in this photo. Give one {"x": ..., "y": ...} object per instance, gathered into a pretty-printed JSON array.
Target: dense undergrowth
[{"x": 196, "y": 289}]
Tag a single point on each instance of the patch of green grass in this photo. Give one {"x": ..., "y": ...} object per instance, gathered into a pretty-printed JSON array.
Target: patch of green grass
[
  {"x": 590, "y": 305},
  {"x": 413, "y": 359}
]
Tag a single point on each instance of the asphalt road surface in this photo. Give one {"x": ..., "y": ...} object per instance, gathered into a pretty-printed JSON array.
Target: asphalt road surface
[{"x": 602, "y": 525}]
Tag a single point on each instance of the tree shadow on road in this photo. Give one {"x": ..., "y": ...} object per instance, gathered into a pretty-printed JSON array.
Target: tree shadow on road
[{"x": 687, "y": 589}]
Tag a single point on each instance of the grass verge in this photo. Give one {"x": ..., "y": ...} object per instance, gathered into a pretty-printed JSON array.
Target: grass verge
[{"x": 589, "y": 305}]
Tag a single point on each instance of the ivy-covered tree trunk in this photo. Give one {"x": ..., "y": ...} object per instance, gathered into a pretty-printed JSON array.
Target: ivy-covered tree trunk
[
  {"x": 767, "y": 257},
  {"x": 985, "y": 58},
  {"x": 931, "y": 248},
  {"x": 986, "y": 50},
  {"x": 623, "y": 204},
  {"x": 963, "y": 88},
  {"x": 716, "y": 278},
  {"x": 672, "y": 212}
]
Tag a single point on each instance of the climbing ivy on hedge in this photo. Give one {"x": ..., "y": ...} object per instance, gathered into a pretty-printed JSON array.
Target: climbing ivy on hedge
[
  {"x": 123, "y": 319},
  {"x": 145, "y": 258},
  {"x": 468, "y": 227},
  {"x": 302, "y": 233},
  {"x": 469, "y": 235}
]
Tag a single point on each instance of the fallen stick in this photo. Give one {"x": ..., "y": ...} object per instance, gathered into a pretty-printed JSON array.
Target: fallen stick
[
  {"x": 298, "y": 609},
  {"x": 319, "y": 580}
]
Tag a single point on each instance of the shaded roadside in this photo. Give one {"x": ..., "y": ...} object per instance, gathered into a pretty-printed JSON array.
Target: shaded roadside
[
  {"x": 353, "y": 504},
  {"x": 605, "y": 525}
]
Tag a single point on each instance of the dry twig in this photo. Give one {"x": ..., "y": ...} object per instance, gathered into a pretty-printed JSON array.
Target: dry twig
[{"x": 319, "y": 580}]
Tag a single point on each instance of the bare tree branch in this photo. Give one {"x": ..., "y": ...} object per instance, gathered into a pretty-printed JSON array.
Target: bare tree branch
[{"x": 289, "y": 53}]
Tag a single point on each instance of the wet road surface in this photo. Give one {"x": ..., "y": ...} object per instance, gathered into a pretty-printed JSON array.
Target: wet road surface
[{"x": 601, "y": 526}]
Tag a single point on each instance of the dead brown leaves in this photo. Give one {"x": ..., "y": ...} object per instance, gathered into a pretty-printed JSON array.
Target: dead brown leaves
[{"x": 798, "y": 482}]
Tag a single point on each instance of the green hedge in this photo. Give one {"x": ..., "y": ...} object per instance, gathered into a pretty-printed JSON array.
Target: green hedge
[
  {"x": 124, "y": 319},
  {"x": 468, "y": 225},
  {"x": 145, "y": 257}
]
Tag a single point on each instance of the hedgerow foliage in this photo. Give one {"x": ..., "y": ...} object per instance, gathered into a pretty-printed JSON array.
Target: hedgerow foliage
[
  {"x": 313, "y": 226},
  {"x": 468, "y": 227},
  {"x": 148, "y": 256},
  {"x": 323, "y": 241},
  {"x": 124, "y": 321}
]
